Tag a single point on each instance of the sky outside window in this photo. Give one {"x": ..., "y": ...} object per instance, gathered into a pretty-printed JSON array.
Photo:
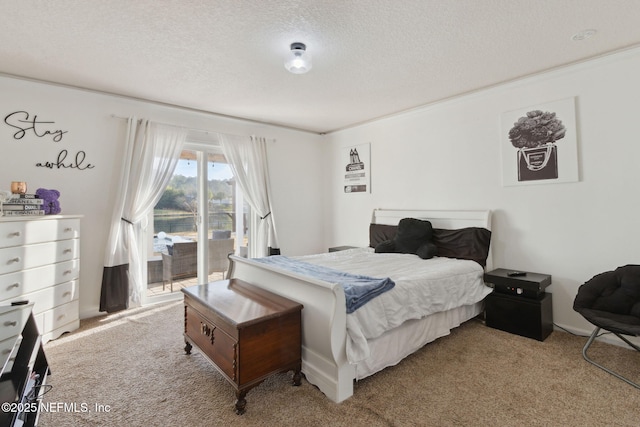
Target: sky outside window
[{"x": 219, "y": 171}]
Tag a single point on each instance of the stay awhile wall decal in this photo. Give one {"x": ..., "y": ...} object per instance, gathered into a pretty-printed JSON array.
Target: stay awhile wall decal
[{"x": 27, "y": 125}]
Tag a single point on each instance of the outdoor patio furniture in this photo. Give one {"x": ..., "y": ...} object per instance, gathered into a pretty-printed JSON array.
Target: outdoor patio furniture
[{"x": 182, "y": 262}]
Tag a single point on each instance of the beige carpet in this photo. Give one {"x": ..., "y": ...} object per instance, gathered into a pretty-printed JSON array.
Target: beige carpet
[{"x": 133, "y": 366}]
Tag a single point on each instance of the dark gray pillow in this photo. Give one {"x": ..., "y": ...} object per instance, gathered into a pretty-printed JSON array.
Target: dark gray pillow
[{"x": 462, "y": 243}]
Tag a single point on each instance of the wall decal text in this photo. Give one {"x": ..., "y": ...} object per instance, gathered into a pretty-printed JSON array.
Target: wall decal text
[
  {"x": 26, "y": 124},
  {"x": 76, "y": 163},
  {"x": 22, "y": 121}
]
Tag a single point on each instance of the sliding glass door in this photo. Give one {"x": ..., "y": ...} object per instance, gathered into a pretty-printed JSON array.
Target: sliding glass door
[{"x": 202, "y": 203}]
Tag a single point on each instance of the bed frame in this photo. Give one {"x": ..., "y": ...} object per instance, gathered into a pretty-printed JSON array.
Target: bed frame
[{"x": 324, "y": 327}]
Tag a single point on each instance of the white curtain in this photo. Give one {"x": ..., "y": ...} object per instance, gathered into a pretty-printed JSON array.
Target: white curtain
[
  {"x": 151, "y": 155},
  {"x": 247, "y": 157}
]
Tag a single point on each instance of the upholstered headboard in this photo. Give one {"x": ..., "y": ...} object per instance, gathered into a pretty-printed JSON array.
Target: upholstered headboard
[{"x": 464, "y": 220}]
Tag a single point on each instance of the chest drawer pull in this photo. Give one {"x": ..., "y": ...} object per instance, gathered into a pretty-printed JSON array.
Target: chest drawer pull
[
  {"x": 67, "y": 272},
  {"x": 12, "y": 260},
  {"x": 6, "y": 351},
  {"x": 68, "y": 229},
  {"x": 67, "y": 251},
  {"x": 14, "y": 234},
  {"x": 206, "y": 329},
  {"x": 14, "y": 285},
  {"x": 10, "y": 323},
  {"x": 66, "y": 294}
]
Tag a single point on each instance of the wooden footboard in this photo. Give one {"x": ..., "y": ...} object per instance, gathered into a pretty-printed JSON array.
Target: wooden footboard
[{"x": 324, "y": 328}]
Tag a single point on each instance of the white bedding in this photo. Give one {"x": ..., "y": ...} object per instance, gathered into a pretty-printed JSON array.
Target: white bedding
[{"x": 423, "y": 287}]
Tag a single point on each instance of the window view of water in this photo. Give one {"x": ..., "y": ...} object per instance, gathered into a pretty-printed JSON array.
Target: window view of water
[{"x": 185, "y": 223}]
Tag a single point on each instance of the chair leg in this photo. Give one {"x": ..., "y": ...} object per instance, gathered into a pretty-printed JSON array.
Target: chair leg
[
  {"x": 588, "y": 359},
  {"x": 627, "y": 341},
  {"x": 170, "y": 284}
]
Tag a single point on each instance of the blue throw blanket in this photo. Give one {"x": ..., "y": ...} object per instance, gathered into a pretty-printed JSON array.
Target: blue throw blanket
[{"x": 358, "y": 290}]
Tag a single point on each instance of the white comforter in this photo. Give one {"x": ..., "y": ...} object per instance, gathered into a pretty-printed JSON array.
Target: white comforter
[{"x": 423, "y": 287}]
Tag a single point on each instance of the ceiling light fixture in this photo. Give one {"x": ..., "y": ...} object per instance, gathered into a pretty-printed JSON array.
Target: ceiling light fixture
[{"x": 298, "y": 61}]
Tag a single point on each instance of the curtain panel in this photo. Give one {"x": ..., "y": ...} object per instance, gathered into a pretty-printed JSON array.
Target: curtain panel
[
  {"x": 151, "y": 154},
  {"x": 247, "y": 157}
]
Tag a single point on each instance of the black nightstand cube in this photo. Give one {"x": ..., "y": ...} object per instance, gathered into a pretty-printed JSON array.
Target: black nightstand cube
[
  {"x": 527, "y": 317},
  {"x": 519, "y": 304}
]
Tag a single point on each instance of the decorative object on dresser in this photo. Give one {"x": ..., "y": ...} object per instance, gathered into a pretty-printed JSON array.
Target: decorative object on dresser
[
  {"x": 247, "y": 333},
  {"x": 519, "y": 303},
  {"x": 40, "y": 263},
  {"x": 51, "y": 204},
  {"x": 4, "y": 197},
  {"x": 23, "y": 364},
  {"x": 18, "y": 187}
]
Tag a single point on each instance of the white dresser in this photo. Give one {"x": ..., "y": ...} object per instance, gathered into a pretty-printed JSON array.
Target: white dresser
[{"x": 40, "y": 262}]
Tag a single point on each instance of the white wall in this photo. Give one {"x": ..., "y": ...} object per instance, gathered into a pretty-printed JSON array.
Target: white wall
[
  {"x": 87, "y": 119},
  {"x": 447, "y": 156},
  {"x": 444, "y": 156}
]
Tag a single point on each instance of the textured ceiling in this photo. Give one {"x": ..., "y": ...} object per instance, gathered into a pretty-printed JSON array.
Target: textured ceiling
[{"x": 371, "y": 58}]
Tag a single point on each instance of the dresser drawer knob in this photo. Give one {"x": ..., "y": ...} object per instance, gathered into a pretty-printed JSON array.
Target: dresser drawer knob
[
  {"x": 68, "y": 229},
  {"x": 14, "y": 285},
  {"x": 14, "y": 234},
  {"x": 6, "y": 351},
  {"x": 12, "y": 260},
  {"x": 66, "y": 294},
  {"x": 66, "y": 272},
  {"x": 10, "y": 323},
  {"x": 67, "y": 251}
]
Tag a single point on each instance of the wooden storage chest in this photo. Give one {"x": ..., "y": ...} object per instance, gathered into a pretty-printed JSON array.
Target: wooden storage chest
[{"x": 246, "y": 332}]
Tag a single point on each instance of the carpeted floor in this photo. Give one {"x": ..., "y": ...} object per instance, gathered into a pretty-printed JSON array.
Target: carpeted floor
[{"x": 130, "y": 369}]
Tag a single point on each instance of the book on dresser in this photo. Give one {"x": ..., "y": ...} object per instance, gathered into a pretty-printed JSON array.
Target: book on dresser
[
  {"x": 22, "y": 212},
  {"x": 24, "y": 199},
  {"x": 20, "y": 206},
  {"x": 23, "y": 205},
  {"x": 40, "y": 263}
]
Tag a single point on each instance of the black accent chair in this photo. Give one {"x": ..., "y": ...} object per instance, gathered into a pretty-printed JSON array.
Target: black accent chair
[{"x": 611, "y": 301}]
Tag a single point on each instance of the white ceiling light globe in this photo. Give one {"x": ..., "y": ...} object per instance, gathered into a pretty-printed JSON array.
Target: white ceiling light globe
[{"x": 298, "y": 61}]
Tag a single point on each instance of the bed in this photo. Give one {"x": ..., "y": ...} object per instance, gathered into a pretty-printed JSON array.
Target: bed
[{"x": 339, "y": 348}]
